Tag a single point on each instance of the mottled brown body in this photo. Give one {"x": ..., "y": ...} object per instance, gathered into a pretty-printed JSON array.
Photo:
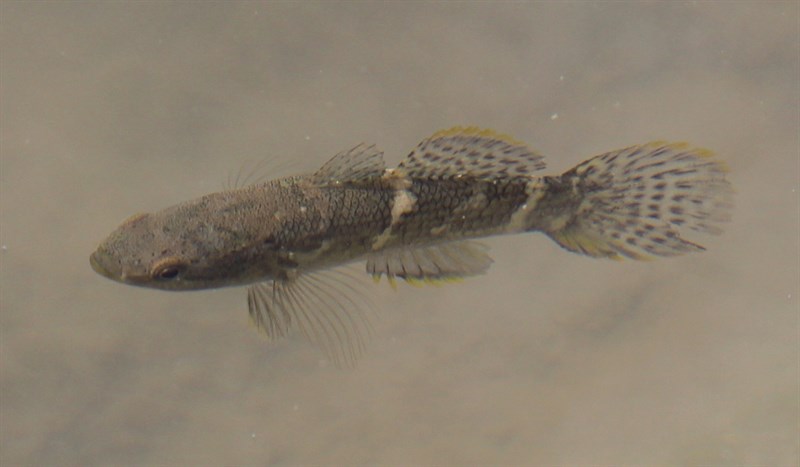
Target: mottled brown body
[
  {"x": 461, "y": 208},
  {"x": 414, "y": 222},
  {"x": 287, "y": 226},
  {"x": 336, "y": 224}
]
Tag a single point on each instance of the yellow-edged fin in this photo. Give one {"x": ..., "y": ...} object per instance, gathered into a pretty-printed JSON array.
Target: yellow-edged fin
[
  {"x": 471, "y": 151},
  {"x": 434, "y": 264},
  {"x": 580, "y": 242},
  {"x": 479, "y": 132},
  {"x": 440, "y": 281},
  {"x": 416, "y": 282},
  {"x": 636, "y": 200},
  {"x": 591, "y": 245}
]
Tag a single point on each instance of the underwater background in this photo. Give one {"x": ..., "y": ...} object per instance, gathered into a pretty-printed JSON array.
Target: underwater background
[{"x": 109, "y": 109}]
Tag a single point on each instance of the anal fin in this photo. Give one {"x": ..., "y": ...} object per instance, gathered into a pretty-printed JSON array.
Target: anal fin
[{"x": 431, "y": 264}]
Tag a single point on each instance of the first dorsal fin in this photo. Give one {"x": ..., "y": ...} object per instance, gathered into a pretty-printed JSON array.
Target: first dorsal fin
[
  {"x": 472, "y": 151},
  {"x": 358, "y": 164}
]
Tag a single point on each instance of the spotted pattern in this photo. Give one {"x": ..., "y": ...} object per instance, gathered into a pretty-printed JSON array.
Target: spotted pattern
[
  {"x": 636, "y": 200},
  {"x": 481, "y": 154}
]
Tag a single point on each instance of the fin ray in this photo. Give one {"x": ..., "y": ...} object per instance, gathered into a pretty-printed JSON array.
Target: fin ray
[
  {"x": 360, "y": 163},
  {"x": 471, "y": 151},
  {"x": 258, "y": 171},
  {"x": 441, "y": 262},
  {"x": 636, "y": 199},
  {"x": 324, "y": 307}
]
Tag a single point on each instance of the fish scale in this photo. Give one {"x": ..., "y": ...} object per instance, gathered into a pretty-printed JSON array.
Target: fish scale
[{"x": 449, "y": 204}]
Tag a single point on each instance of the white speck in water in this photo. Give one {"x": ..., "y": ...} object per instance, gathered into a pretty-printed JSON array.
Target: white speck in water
[
  {"x": 303, "y": 209},
  {"x": 296, "y": 407},
  {"x": 253, "y": 435},
  {"x": 554, "y": 116},
  {"x": 4, "y": 248},
  {"x": 561, "y": 78},
  {"x": 307, "y": 138}
]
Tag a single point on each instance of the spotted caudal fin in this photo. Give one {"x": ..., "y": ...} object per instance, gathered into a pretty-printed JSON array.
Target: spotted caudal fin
[{"x": 638, "y": 201}]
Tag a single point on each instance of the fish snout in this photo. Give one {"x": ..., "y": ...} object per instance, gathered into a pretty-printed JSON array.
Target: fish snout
[{"x": 99, "y": 262}]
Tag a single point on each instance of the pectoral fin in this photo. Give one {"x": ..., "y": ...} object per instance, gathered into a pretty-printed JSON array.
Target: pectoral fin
[{"x": 326, "y": 307}]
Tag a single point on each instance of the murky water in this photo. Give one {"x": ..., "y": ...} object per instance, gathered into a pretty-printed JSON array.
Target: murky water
[{"x": 111, "y": 109}]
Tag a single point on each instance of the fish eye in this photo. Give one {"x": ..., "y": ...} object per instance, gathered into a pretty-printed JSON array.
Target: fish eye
[
  {"x": 169, "y": 272},
  {"x": 167, "y": 269}
]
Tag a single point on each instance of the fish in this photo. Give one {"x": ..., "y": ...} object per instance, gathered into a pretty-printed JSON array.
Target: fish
[{"x": 288, "y": 239}]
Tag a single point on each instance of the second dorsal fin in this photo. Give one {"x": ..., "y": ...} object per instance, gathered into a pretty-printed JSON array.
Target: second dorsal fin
[{"x": 471, "y": 151}]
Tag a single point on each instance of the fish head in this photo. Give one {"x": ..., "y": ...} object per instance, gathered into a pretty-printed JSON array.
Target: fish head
[
  {"x": 128, "y": 255},
  {"x": 185, "y": 248}
]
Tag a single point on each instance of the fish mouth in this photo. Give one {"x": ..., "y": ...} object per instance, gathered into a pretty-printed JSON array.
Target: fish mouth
[
  {"x": 107, "y": 267},
  {"x": 98, "y": 267}
]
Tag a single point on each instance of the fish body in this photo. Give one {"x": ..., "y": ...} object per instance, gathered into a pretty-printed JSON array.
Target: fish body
[{"x": 416, "y": 222}]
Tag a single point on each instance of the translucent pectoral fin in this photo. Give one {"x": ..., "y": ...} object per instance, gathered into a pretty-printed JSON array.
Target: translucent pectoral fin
[
  {"x": 436, "y": 263},
  {"x": 325, "y": 307}
]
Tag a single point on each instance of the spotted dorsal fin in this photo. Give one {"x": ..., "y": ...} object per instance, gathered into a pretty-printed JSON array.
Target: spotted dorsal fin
[
  {"x": 436, "y": 263},
  {"x": 355, "y": 165},
  {"x": 472, "y": 151}
]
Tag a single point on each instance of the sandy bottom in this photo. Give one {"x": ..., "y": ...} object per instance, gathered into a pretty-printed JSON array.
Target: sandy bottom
[{"x": 551, "y": 358}]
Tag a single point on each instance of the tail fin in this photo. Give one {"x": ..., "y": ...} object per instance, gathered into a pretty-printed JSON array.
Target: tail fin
[{"x": 632, "y": 202}]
